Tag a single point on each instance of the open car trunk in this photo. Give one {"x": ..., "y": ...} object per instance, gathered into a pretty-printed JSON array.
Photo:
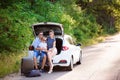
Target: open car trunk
[{"x": 45, "y": 27}]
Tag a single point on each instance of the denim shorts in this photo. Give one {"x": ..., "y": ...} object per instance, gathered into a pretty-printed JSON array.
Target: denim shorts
[
  {"x": 36, "y": 53},
  {"x": 42, "y": 54},
  {"x": 39, "y": 53}
]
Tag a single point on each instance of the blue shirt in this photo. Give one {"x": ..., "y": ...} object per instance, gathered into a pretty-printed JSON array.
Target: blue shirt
[
  {"x": 50, "y": 42},
  {"x": 36, "y": 42}
]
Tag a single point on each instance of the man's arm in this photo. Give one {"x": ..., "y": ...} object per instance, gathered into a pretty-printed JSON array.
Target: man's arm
[
  {"x": 34, "y": 43},
  {"x": 39, "y": 48}
]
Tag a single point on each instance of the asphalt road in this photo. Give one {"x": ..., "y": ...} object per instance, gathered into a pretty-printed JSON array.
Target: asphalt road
[{"x": 100, "y": 62}]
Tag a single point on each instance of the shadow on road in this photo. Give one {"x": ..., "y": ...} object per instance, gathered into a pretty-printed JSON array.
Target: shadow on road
[{"x": 58, "y": 72}]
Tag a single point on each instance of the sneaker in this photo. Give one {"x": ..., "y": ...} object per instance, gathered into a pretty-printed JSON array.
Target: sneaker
[
  {"x": 42, "y": 70},
  {"x": 50, "y": 71}
]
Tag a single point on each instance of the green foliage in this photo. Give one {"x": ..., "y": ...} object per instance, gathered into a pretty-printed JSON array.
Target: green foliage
[
  {"x": 88, "y": 28},
  {"x": 10, "y": 62},
  {"x": 83, "y": 25},
  {"x": 15, "y": 31},
  {"x": 105, "y": 11}
]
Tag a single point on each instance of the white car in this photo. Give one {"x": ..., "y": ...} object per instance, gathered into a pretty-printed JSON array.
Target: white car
[{"x": 68, "y": 53}]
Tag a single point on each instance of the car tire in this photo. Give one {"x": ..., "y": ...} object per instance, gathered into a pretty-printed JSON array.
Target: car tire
[
  {"x": 80, "y": 58},
  {"x": 70, "y": 67}
]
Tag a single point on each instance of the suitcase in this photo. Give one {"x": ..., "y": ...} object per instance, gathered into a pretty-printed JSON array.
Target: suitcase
[{"x": 27, "y": 65}]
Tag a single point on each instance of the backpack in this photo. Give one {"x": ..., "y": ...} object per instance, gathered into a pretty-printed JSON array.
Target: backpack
[{"x": 33, "y": 73}]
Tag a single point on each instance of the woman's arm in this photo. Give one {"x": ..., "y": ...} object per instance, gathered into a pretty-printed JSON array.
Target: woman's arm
[{"x": 54, "y": 44}]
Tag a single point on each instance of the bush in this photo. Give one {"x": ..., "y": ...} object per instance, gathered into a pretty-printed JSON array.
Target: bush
[
  {"x": 15, "y": 31},
  {"x": 10, "y": 62}
]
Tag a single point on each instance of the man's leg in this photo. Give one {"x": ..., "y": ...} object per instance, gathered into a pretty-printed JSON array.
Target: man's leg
[
  {"x": 43, "y": 57},
  {"x": 35, "y": 62},
  {"x": 35, "y": 58}
]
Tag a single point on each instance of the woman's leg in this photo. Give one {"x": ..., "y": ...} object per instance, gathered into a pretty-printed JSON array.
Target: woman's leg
[
  {"x": 50, "y": 55},
  {"x": 50, "y": 60}
]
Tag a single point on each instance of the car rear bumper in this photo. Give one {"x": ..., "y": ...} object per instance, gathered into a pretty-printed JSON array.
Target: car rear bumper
[{"x": 61, "y": 64}]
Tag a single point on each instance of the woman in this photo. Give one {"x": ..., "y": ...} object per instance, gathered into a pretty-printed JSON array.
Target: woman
[{"x": 52, "y": 51}]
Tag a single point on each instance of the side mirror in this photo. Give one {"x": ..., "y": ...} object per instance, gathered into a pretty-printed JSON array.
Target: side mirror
[{"x": 79, "y": 44}]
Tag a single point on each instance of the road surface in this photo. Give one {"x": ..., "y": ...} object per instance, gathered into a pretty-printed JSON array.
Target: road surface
[{"x": 100, "y": 62}]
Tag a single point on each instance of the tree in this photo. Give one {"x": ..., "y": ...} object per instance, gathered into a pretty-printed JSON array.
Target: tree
[{"x": 106, "y": 12}]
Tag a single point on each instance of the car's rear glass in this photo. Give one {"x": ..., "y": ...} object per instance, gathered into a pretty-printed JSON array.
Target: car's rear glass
[{"x": 46, "y": 28}]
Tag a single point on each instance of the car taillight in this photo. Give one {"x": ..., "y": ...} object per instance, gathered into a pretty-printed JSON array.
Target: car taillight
[
  {"x": 62, "y": 61},
  {"x": 64, "y": 48}
]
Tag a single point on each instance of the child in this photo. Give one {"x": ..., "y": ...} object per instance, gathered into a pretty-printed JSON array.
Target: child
[
  {"x": 43, "y": 45},
  {"x": 43, "y": 52}
]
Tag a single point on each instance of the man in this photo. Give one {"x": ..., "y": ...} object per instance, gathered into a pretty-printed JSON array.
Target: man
[{"x": 37, "y": 50}]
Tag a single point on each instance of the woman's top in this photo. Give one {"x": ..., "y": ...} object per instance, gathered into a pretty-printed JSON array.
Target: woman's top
[{"x": 50, "y": 42}]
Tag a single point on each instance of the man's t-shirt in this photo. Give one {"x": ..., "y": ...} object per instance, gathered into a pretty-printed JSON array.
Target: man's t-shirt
[
  {"x": 50, "y": 42},
  {"x": 36, "y": 42}
]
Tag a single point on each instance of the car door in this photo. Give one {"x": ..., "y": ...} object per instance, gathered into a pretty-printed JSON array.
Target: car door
[
  {"x": 74, "y": 50},
  {"x": 77, "y": 48}
]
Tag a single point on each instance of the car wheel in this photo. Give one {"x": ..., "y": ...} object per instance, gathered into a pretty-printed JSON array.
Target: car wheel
[
  {"x": 70, "y": 67},
  {"x": 80, "y": 58}
]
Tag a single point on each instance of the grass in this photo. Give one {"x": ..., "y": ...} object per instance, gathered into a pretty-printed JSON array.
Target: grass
[
  {"x": 93, "y": 41},
  {"x": 10, "y": 62},
  {"x": 97, "y": 40}
]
